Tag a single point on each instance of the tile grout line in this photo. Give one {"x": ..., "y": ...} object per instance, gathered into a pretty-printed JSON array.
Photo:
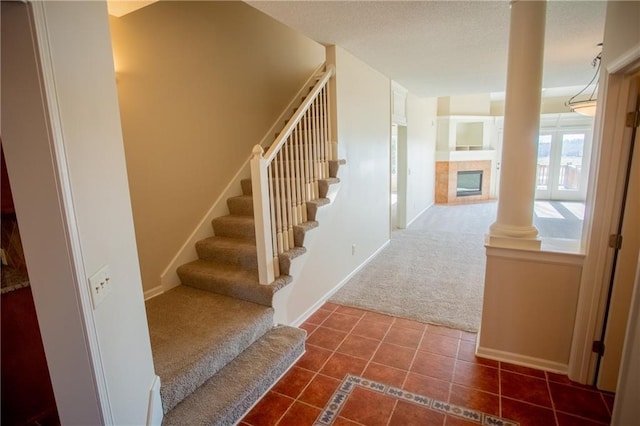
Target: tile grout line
[
  {"x": 406, "y": 377},
  {"x": 609, "y": 410},
  {"x": 378, "y": 347},
  {"x": 553, "y": 404},
  {"x": 415, "y": 354},
  {"x": 393, "y": 410},
  {"x": 453, "y": 373},
  {"x": 285, "y": 411},
  {"x": 317, "y": 373},
  {"x": 370, "y": 359},
  {"x": 500, "y": 389},
  {"x": 395, "y": 404}
]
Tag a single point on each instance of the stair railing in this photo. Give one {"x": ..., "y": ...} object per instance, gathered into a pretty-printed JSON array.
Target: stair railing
[{"x": 286, "y": 177}]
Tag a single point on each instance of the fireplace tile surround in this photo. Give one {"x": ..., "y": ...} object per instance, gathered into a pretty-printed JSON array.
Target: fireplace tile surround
[{"x": 447, "y": 180}]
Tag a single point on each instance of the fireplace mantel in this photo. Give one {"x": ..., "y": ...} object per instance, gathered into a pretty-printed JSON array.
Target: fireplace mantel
[{"x": 467, "y": 155}]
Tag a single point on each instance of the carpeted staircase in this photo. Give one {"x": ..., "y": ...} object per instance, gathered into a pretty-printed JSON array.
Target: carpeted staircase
[{"x": 215, "y": 347}]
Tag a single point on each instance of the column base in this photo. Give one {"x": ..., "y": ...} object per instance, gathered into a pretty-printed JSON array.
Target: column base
[
  {"x": 516, "y": 237},
  {"x": 513, "y": 243}
]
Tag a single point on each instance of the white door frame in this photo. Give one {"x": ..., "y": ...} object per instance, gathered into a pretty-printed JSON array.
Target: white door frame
[
  {"x": 399, "y": 119},
  {"x": 402, "y": 173},
  {"x": 34, "y": 149},
  {"x": 603, "y": 201}
]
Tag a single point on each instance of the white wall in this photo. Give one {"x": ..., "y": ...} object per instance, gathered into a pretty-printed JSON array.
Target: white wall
[
  {"x": 72, "y": 203},
  {"x": 421, "y": 146},
  {"x": 359, "y": 213}
]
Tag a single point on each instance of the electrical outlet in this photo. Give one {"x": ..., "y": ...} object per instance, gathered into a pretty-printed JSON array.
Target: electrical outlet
[
  {"x": 353, "y": 249},
  {"x": 101, "y": 285}
]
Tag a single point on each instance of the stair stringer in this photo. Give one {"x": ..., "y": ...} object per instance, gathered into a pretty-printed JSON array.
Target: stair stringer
[{"x": 296, "y": 287}]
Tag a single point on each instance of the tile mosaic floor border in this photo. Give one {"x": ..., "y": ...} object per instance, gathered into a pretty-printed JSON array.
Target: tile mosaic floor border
[{"x": 332, "y": 410}]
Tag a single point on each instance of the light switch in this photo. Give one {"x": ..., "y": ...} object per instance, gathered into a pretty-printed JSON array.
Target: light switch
[{"x": 101, "y": 285}]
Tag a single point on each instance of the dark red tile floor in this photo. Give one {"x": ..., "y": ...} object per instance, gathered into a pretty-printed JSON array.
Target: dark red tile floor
[{"x": 428, "y": 360}]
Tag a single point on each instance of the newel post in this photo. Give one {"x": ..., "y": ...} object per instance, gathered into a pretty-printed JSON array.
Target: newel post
[{"x": 262, "y": 216}]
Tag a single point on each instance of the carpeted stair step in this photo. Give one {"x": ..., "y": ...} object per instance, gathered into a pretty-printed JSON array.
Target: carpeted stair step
[
  {"x": 226, "y": 397},
  {"x": 299, "y": 232},
  {"x": 230, "y": 281},
  {"x": 241, "y": 205},
  {"x": 194, "y": 334},
  {"x": 334, "y": 165},
  {"x": 287, "y": 257},
  {"x": 233, "y": 226},
  {"x": 230, "y": 251},
  {"x": 246, "y": 186},
  {"x": 324, "y": 184},
  {"x": 314, "y": 205}
]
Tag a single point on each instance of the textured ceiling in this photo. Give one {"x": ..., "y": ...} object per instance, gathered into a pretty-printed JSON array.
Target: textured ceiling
[{"x": 442, "y": 48}]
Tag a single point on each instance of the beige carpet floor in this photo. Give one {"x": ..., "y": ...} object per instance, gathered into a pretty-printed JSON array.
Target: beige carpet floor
[{"x": 433, "y": 271}]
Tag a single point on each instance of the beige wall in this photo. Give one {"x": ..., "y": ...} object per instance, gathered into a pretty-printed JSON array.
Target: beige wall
[
  {"x": 529, "y": 307},
  {"x": 622, "y": 30},
  {"x": 359, "y": 212},
  {"x": 550, "y": 105},
  {"x": 464, "y": 105},
  {"x": 483, "y": 105},
  {"x": 199, "y": 84}
]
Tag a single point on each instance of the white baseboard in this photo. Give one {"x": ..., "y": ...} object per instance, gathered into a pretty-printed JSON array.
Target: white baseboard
[
  {"x": 155, "y": 413},
  {"x": 522, "y": 360},
  {"x": 420, "y": 214},
  {"x": 302, "y": 318},
  {"x": 153, "y": 292}
]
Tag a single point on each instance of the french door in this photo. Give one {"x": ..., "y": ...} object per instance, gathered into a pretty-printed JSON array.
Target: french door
[{"x": 563, "y": 165}]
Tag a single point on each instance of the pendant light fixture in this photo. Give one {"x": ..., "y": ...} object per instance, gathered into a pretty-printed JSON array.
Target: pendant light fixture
[{"x": 587, "y": 106}]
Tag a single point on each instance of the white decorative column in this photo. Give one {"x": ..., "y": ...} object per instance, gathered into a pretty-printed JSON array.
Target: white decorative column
[{"x": 514, "y": 223}]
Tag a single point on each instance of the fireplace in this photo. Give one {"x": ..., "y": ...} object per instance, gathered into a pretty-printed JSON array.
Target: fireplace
[
  {"x": 462, "y": 182},
  {"x": 469, "y": 183}
]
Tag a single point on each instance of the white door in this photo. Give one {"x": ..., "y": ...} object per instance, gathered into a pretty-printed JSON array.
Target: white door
[
  {"x": 623, "y": 276},
  {"x": 563, "y": 165}
]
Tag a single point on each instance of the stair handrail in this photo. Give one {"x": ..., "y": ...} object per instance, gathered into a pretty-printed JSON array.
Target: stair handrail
[
  {"x": 265, "y": 196},
  {"x": 300, "y": 112},
  {"x": 268, "y": 136}
]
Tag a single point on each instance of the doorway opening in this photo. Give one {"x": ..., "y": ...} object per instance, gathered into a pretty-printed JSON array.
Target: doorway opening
[
  {"x": 399, "y": 173},
  {"x": 27, "y": 396}
]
